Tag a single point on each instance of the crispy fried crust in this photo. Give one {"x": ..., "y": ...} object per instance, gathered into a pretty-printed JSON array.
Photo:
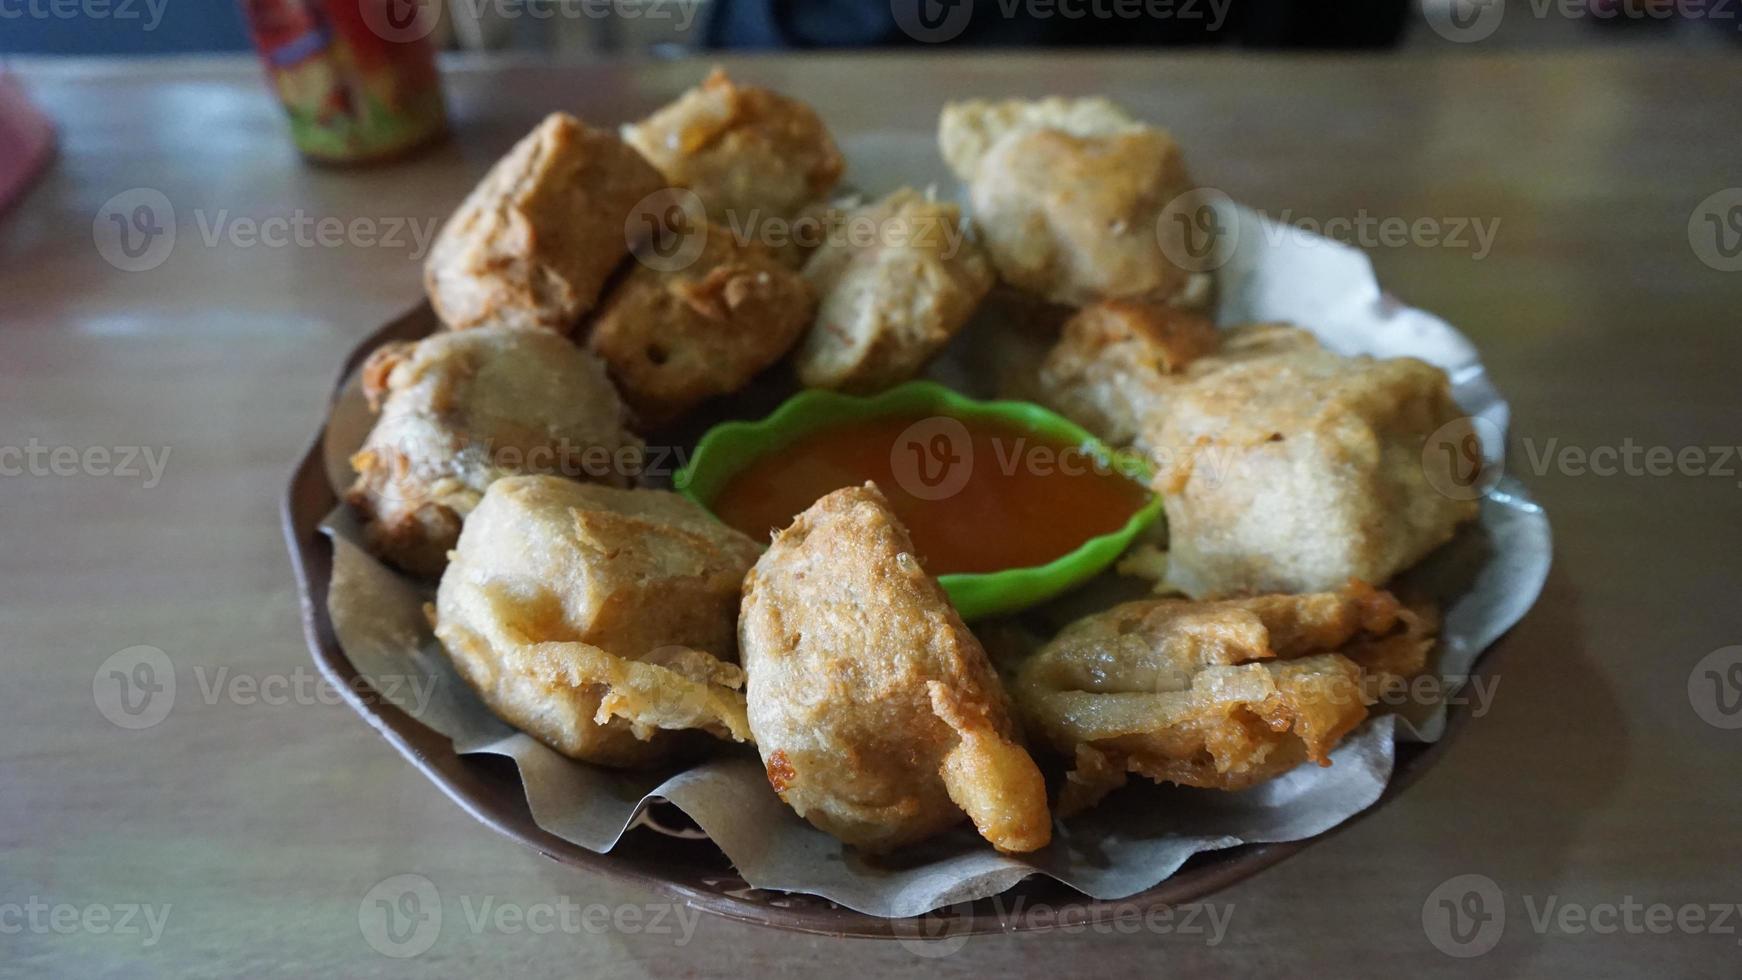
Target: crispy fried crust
[
  {"x": 461, "y": 410},
  {"x": 1117, "y": 364},
  {"x": 888, "y": 305},
  {"x": 1288, "y": 468},
  {"x": 746, "y": 152},
  {"x": 877, "y": 713},
  {"x": 600, "y": 621},
  {"x": 1285, "y": 467},
  {"x": 1116, "y": 361},
  {"x": 968, "y": 130},
  {"x": 673, "y": 339},
  {"x": 1068, "y": 196},
  {"x": 992, "y": 778},
  {"x": 1218, "y": 695},
  {"x": 533, "y": 245}
]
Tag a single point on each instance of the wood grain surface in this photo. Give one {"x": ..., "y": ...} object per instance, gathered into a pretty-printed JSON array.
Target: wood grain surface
[{"x": 255, "y": 819}]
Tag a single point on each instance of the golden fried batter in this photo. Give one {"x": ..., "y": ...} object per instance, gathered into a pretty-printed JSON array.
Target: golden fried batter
[
  {"x": 459, "y": 411},
  {"x": 600, "y": 621},
  {"x": 747, "y": 153},
  {"x": 1117, "y": 364},
  {"x": 1218, "y": 695},
  {"x": 1288, "y": 468},
  {"x": 889, "y": 304},
  {"x": 1116, "y": 361},
  {"x": 878, "y": 716},
  {"x": 675, "y": 338},
  {"x": 968, "y": 130},
  {"x": 533, "y": 245},
  {"x": 1284, "y": 467},
  {"x": 1068, "y": 196}
]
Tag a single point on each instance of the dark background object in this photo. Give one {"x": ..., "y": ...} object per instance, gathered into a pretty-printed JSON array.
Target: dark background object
[
  {"x": 589, "y": 29},
  {"x": 124, "y": 27},
  {"x": 777, "y": 24}
]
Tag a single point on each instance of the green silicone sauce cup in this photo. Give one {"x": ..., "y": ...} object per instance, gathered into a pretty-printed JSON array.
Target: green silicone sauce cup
[{"x": 728, "y": 448}]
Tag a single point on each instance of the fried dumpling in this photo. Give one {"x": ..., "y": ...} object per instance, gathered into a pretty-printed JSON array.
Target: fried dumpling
[
  {"x": 600, "y": 621},
  {"x": 1116, "y": 361},
  {"x": 674, "y": 337},
  {"x": 1297, "y": 469},
  {"x": 889, "y": 304},
  {"x": 1217, "y": 695},
  {"x": 746, "y": 152},
  {"x": 459, "y": 411},
  {"x": 878, "y": 716},
  {"x": 1284, "y": 467},
  {"x": 534, "y": 243},
  {"x": 1069, "y": 195}
]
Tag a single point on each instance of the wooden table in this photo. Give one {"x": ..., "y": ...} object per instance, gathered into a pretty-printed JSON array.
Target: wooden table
[{"x": 260, "y": 818}]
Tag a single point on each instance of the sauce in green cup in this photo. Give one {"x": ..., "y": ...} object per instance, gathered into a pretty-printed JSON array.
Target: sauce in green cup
[{"x": 1008, "y": 503}]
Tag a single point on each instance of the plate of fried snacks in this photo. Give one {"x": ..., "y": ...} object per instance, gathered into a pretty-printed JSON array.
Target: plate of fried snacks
[{"x": 1064, "y": 532}]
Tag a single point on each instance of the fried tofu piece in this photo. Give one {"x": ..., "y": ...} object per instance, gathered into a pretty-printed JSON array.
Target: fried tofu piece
[
  {"x": 675, "y": 338},
  {"x": 1068, "y": 196},
  {"x": 535, "y": 242},
  {"x": 1216, "y": 695},
  {"x": 968, "y": 130},
  {"x": 600, "y": 621},
  {"x": 889, "y": 304},
  {"x": 458, "y": 411},
  {"x": 1287, "y": 468},
  {"x": 1116, "y": 361},
  {"x": 1284, "y": 467},
  {"x": 746, "y": 152},
  {"x": 877, "y": 713}
]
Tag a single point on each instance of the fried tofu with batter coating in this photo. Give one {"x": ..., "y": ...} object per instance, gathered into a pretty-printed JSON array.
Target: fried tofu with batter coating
[
  {"x": 1285, "y": 467},
  {"x": 888, "y": 305},
  {"x": 878, "y": 716},
  {"x": 1116, "y": 361},
  {"x": 459, "y": 411},
  {"x": 1216, "y": 695},
  {"x": 1117, "y": 364},
  {"x": 968, "y": 130},
  {"x": 535, "y": 242},
  {"x": 674, "y": 338},
  {"x": 600, "y": 621},
  {"x": 1067, "y": 195},
  {"x": 746, "y": 152}
]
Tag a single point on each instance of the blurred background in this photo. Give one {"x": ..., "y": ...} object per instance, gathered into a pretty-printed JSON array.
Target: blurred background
[
  {"x": 600, "y": 28},
  {"x": 359, "y": 79}
]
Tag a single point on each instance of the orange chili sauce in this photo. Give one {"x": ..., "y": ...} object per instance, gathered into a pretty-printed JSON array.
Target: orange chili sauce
[{"x": 1016, "y": 499}]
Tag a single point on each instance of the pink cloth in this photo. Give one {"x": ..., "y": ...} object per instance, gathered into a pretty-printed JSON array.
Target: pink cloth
[{"x": 26, "y": 141}]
